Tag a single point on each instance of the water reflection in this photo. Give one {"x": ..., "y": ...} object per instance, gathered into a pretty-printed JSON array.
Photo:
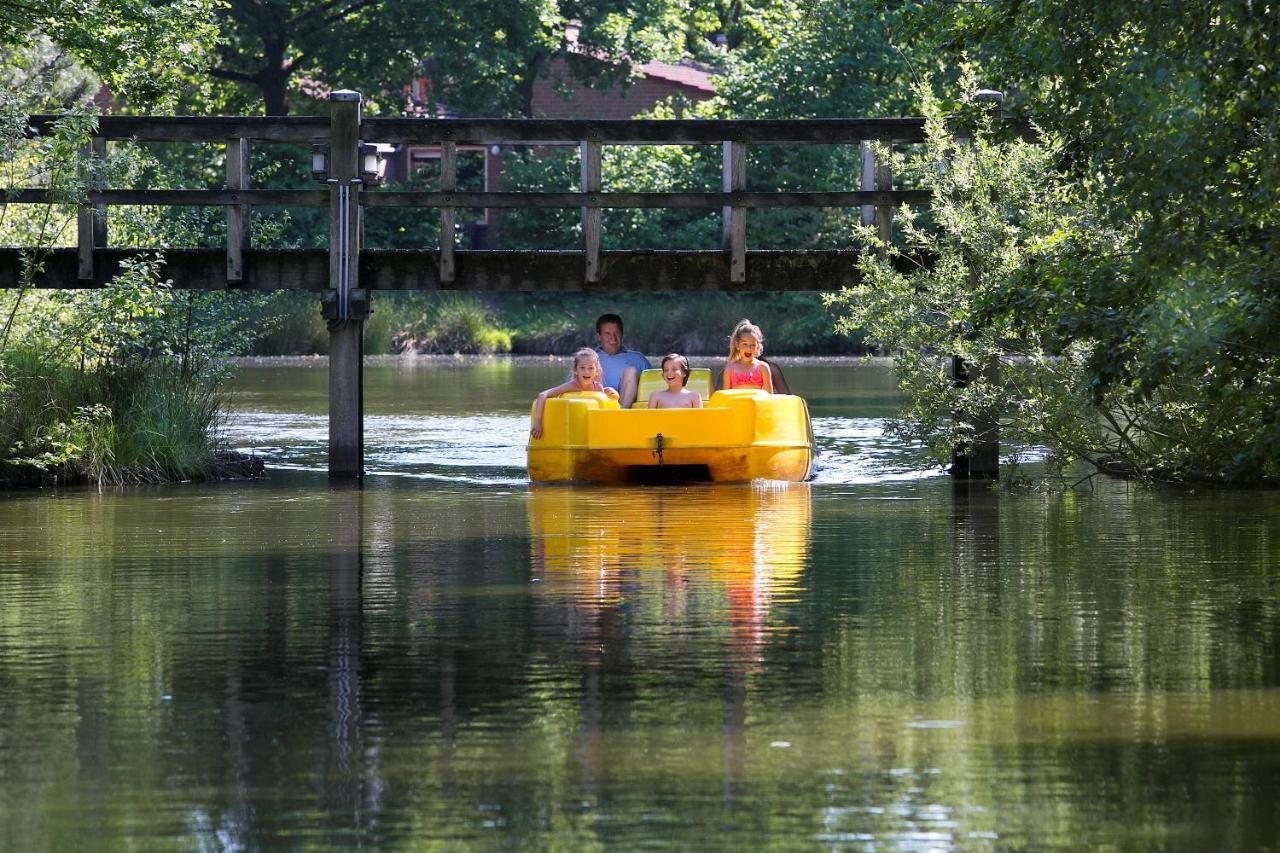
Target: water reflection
[
  {"x": 864, "y": 661},
  {"x": 352, "y": 772},
  {"x": 693, "y": 560},
  {"x": 597, "y": 551}
]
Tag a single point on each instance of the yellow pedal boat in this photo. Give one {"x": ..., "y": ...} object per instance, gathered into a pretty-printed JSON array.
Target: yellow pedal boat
[{"x": 741, "y": 434}]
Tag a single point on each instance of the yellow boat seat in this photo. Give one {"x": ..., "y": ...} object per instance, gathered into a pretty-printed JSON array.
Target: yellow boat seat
[{"x": 651, "y": 380}]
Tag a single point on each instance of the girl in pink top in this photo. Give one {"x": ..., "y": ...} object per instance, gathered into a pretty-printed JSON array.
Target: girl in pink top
[
  {"x": 744, "y": 369},
  {"x": 586, "y": 377}
]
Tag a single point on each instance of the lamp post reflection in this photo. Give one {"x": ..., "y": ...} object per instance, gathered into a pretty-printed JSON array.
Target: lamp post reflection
[{"x": 618, "y": 568}]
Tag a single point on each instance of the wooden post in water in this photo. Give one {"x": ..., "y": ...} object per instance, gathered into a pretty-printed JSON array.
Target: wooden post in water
[
  {"x": 343, "y": 310},
  {"x": 448, "y": 184},
  {"x": 979, "y": 459},
  {"x": 884, "y": 212},
  {"x": 868, "y": 180}
]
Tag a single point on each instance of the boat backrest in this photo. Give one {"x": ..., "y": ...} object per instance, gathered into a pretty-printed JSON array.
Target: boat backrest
[{"x": 651, "y": 380}]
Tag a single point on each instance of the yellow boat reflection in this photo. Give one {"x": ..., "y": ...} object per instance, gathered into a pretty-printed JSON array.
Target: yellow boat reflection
[{"x": 596, "y": 548}]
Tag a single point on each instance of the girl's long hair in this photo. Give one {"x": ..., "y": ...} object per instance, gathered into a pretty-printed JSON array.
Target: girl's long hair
[{"x": 744, "y": 327}]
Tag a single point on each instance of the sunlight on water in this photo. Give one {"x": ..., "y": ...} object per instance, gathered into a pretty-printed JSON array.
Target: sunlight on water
[
  {"x": 856, "y": 450},
  {"x": 491, "y": 449}
]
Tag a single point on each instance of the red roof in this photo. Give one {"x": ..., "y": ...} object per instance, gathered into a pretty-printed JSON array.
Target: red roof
[{"x": 683, "y": 74}]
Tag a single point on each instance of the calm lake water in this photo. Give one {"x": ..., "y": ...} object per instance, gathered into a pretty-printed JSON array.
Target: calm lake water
[{"x": 453, "y": 658}]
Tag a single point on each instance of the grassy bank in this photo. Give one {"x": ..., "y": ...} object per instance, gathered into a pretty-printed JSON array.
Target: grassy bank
[
  {"x": 541, "y": 324},
  {"x": 119, "y": 384},
  {"x": 133, "y": 423}
]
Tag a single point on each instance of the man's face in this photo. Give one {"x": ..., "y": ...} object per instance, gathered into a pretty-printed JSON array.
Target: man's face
[{"x": 610, "y": 336}]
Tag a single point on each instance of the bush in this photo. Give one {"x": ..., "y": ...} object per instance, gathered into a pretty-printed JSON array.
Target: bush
[{"x": 139, "y": 422}]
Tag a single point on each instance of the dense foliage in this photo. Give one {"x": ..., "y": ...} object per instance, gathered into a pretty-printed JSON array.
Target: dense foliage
[
  {"x": 1020, "y": 259},
  {"x": 117, "y": 384},
  {"x": 1169, "y": 118}
]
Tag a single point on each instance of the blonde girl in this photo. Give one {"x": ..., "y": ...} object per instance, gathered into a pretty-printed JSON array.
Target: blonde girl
[
  {"x": 586, "y": 377},
  {"x": 745, "y": 369}
]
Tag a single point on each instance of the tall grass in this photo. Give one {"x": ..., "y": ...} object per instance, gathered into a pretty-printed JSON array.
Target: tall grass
[{"x": 139, "y": 422}]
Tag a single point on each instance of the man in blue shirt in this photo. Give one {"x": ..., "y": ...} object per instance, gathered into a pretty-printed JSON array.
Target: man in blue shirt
[{"x": 622, "y": 367}]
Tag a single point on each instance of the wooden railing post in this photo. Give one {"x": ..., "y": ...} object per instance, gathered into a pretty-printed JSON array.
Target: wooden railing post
[
  {"x": 868, "y": 180},
  {"x": 734, "y": 235},
  {"x": 591, "y": 183},
  {"x": 237, "y": 214},
  {"x": 344, "y": 310},
  {"x": 884, "y": 212},
  {"x": 91, "y": 220},
  {"x": 448, "y": 183}
]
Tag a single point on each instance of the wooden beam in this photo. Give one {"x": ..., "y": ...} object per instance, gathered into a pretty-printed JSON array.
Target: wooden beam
[
  {"x": 592, "y": 170},
  {"x": 237, "y": 214},
  {"x": 184, "y": 198},
  {"x": 386, "y": 270},
  {"x": 416, "y": 131},
  {"x": 448, "y": 183},
  {"x": 507, "y": 200},
  {"x": 734, "y": 224},
  {"x": 215, "y": 129},
  {"x": 684, "y": 200}
]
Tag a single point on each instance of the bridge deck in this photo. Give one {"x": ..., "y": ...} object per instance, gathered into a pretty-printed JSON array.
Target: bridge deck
[{"x": 389, "y": 270}]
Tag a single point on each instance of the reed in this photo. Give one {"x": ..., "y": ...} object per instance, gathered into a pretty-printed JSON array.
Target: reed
[{"x": 140, "y": 422}]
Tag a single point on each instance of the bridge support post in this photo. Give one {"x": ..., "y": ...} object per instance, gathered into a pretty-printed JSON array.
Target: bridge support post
[
  {"x": 979, "y": 458},
  {"x": 343, "y": 308}
]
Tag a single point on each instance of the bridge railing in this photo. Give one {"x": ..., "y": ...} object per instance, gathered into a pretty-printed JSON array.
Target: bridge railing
[{"x": 439, "y": 267}]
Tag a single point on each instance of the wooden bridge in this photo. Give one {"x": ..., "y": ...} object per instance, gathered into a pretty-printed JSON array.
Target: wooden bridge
[{"x": 345, "y": 274}]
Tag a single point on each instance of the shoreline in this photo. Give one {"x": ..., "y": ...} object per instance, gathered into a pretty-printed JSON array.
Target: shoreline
[
  {"x": 228, "y": 465},
  {"x": 416, "y": 360}
]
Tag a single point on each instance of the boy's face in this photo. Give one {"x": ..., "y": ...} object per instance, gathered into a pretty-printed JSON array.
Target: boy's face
[
  {"x": 673, "y": 374},
  {"x": 585, "y": 372}
]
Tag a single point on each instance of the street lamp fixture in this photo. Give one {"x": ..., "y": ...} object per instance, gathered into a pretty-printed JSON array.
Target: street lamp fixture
[
  {"x": 320, "y": 162},
  {"x": 370, "y": 163}
]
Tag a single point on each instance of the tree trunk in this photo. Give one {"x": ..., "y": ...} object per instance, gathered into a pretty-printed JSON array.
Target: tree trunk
[
  {"x": 525, "y": 87},
  {"x": 273, "y": 78}
]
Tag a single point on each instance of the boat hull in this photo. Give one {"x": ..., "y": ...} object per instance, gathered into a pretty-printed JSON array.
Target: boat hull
[{"x": 738, "y": 435}]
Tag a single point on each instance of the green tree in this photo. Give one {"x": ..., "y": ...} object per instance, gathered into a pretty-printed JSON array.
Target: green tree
[
  {"x": 1170, "y": 126},
  {"x": 482, "y": 58},
  {"x": 1007, "y": 238},
  {"x": 139, "y": 49}
]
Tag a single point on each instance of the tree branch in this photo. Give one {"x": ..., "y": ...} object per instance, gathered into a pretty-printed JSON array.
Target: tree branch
[{"x": 238, "y": 76}]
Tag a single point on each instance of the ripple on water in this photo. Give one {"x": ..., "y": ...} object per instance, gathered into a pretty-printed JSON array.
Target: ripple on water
[
  {"x": 491, "y": 448},
  {"x": 857, "y": 450}
]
